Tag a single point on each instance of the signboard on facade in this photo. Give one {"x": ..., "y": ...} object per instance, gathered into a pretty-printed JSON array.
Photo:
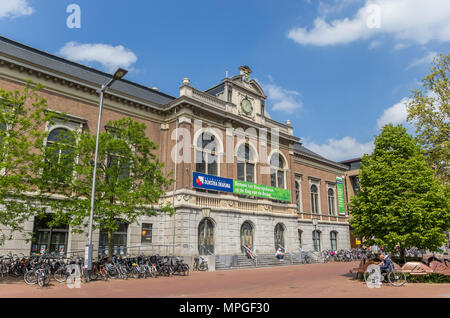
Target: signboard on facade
[
  {"x": 208, "y": 182},
  {"x": 260, "y": 191},
  {"x": 340, "y": 196}
]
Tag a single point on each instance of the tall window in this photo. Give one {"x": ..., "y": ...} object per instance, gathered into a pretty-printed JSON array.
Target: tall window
[
  {"x": 117, "y": 168},
  {"x": 333, "y": 240},
  {"x": 119, "y": 240},
  {"x": 316, "y": 241},
  {"x": 146, "y": 233},
  {"x": 297, "y": 196},
  {"x": 206, "y": 154},
  {"x": 277, "y": 171},
  {"x": 206, "y": 237},
  {"x": 331, "y": 206},
  {"x": 300, "y": 244},
  {"x": 61, "y": 154},
  {"x": 245, "y": 164},
  {"x": 279, "y": 236},
  {"x": 49, "y": 240},
  {"x": 314, "y": 199},
  {"x": 355, "y": 184}
]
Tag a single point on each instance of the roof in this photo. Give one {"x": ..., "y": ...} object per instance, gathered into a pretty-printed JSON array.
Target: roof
[
  {"x": 299, "y": 148},
  {"x": 29, "y": 55},
  {"x": 350, "y": 160}
]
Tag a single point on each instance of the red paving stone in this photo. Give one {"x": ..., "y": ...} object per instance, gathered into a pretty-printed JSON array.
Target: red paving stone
[{"x": 315, "y": 280}]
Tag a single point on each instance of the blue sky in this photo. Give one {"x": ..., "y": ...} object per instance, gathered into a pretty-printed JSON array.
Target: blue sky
[{"x": 337, "y": 69}]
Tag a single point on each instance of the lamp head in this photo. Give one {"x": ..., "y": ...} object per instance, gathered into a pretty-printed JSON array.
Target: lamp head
[{"x": 119, "y": 74}]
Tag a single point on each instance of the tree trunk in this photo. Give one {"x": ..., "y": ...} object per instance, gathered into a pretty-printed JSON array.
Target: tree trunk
[
  {"x": 402, "y": 255},
  {"x": 110, "y": 244}
]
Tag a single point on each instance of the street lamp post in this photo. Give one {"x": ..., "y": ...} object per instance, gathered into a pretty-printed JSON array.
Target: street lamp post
[{"x": 120, "y": 73}]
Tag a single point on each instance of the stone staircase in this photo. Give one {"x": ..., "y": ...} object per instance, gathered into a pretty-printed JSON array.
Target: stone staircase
[{"x": 241, "y": 261}]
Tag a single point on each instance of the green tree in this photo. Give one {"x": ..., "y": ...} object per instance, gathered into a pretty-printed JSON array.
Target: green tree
[
  {"x": 130, "y": 182},
  {"x": 429, "y": 111},
  {"x": 23, "y": 117},
  {"x": 401, "y": 204}
]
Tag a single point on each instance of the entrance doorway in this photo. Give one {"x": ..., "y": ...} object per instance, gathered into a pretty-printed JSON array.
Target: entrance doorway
[
  {"x": 246, "y": 236},
  {"x": 279, "y": 236},
  {"x": 206, "y": 237}
]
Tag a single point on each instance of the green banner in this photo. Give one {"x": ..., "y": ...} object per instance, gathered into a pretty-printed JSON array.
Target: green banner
[
  {"x": 261, "y": 191},
  {"x": 340, "y": 195}
]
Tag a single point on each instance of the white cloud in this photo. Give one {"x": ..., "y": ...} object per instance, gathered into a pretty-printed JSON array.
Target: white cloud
[
  {"x": 110, "y": 57},
  {"x": 14, "y": 8},
  {"x": 424, "y": 60},
  {"x": 395, "y": 114},
  {"x": 414, "y": 21},
  {"x": 341, "y": 149},
  {"x": 284, "y": 100},
  {"x": 336, "y": 6}
]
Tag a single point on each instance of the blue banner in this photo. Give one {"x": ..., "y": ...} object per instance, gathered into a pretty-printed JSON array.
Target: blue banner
[{"x": 208, "y": 182}]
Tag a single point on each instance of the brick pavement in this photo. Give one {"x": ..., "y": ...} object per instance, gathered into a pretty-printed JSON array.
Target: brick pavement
[{"x": 315, "y": 280}]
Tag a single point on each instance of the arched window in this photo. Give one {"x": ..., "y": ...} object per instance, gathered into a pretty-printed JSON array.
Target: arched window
[
  {"x": 331, "y": 206},
  {"x": 119, "y": 240},
  {"x": 279, "y": 236},
  {"x": 297, "y": 196},
  {"x": 314, "y": 199},
  {"x": 245, "y": 164},
  {"x": 246, "y": 236},
  {"x": 316, "y": 241},
  {"x": 333, "y": 240},
  {"x": 206, "y": 154},
  {"x": 277, "y": 171},
  {"x": 206, "y": 237},
  {"x": 60, "y": 154}
]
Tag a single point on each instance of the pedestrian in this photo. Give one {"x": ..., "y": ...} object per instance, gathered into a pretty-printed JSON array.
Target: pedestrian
[{"x": 279, "y": 254}]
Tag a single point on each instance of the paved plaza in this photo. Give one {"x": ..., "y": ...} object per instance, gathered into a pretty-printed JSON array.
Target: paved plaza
[{"x": 300, "y": 281}]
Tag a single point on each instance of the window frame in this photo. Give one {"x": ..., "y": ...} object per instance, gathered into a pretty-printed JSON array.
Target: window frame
[
  {"x": 316, "y": 240},
  {"x": 144, "y": 227},
  {"x": 206, "y": 153},
  {"x": 315, "y": 207},
  {"x": 249, "y": 159},
  {"x": 333, "y": 238},
  {"x": 276, "y": 170}
]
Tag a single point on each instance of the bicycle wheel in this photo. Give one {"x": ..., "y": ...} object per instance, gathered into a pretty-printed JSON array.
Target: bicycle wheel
[
  {"x": 60, "y": 275},
  {"x": 43, "y": 279},
  {"x": 93, "y": 274},
  {"x": 397, "y": 278},
  {"x": 153, "y": 272},
  {"x": 30, "y": 278},
  {"x": 135, "y": 273}
]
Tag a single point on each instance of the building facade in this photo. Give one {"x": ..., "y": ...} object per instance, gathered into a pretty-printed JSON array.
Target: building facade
[
  {"x": 284, "y": 195},
  {"x": 352, "y": 187}
]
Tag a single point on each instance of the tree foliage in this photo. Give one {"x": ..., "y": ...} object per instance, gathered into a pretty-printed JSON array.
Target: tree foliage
[
  {"x": 429, "y": 111},
  {"x": 129, "y": 184},
  {"x": 23, "y": 117},
  {"x": 401, "y": 204}
]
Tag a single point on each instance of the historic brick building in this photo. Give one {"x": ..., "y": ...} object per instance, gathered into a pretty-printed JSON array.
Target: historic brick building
[{"x": 270, "y": 190}]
